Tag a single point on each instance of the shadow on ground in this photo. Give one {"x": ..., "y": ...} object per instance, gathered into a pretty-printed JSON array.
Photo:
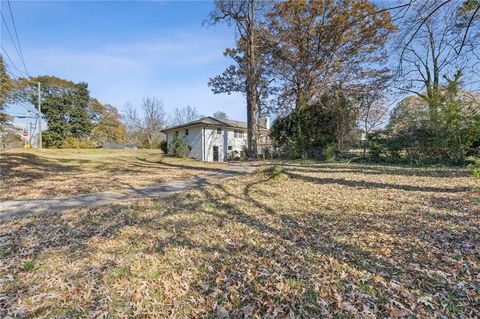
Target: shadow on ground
[{"x": 256, "y": 246}]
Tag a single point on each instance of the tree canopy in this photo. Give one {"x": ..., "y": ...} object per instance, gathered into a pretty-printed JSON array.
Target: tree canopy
[
  {"x": 65, "y": 107},
  {"x": 316, "y": 45},
  {"x": 6, "y": 87},
  {"x": 107, "y": 124}
]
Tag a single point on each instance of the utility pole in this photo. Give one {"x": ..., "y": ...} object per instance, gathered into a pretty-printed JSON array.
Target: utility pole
[
  {"x": 30, "y": 135},
  {"x": 39, "y": 117}
]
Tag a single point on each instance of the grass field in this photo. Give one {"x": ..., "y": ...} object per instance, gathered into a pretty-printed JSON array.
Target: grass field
[
  {"x": 49, "y": 173},
  {"x": 310, "y": 240}
]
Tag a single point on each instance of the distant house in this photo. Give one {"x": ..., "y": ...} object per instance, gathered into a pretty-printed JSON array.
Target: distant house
[{"x": 212, "y": 140}]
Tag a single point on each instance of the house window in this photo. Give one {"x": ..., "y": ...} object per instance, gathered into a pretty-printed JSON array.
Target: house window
[
  {"x": 230, "y": 148},
  {"x": 176, "y": 133},
  {"x": 186, "y": 132},
  {"x": 238, "y": 134},
  {"x": 219, "y": 131}
]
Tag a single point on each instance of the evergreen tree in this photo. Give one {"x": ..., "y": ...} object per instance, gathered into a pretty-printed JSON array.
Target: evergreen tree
[{"x": 65, "y": 106}]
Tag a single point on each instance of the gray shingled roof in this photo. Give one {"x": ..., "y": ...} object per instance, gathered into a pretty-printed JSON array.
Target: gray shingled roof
[{"x": 208, "y": 120}]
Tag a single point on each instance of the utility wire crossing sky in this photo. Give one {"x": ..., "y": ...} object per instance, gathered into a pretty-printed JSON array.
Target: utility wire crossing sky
[{"x": 124, "y": 50}]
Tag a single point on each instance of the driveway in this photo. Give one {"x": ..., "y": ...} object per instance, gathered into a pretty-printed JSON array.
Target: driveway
[{"x": 16, "y": 208}]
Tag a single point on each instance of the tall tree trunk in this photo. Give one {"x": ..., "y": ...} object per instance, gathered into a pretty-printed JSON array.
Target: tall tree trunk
[
  {"x": 251, "y": 121},
  {"x": 251, "y": 84}
]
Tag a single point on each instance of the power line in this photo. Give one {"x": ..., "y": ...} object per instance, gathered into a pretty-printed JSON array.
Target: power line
[
  {"x": 23, "y": 116},
  {"x": 26, "y": 106},
  {"x": 18, "y": 40},
  {"x": 13, "y": 75},
  {"x": 12, "y": 62},
  {"x": 29, "y": 107},
  {"x": 9, "y": 70},
  {"x": 11, "y": 36}
]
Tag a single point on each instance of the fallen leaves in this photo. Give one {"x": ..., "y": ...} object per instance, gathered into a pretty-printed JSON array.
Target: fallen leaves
[
  {"x": 49, "y": 172},
  {"x": 321, "y": 240}
]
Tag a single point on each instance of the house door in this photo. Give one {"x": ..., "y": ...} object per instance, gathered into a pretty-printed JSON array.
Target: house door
[{"x": 215, "y": 153}]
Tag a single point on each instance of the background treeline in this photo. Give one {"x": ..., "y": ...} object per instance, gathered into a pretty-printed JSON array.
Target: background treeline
[
  {"x": 342, "y": 78},
  {"x": 354, "y": 78},
  {"x": 75, "y": 119}
]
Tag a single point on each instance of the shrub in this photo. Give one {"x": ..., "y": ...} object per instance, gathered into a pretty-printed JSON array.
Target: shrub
[
  {"x": 178, "y": 147},
  {"x": 244, "y": 153},
  {"x": 164, "y": 147},
  {"x": 475, "y": 168},
  {"x": 72, "y": 142},
  {"x": 375, "y": 150},
  {"x": 276, "y": 172},
  {"x": 302, "y": 132},
  {"x": 51, "y": 139},
  {"x": 233, "y": 156},
  {"x": 330, "y": 152},
  {"x": 267, "y": 153}
]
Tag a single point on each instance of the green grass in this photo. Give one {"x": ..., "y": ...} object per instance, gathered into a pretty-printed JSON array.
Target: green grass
[{"x": 28, "y": 265}]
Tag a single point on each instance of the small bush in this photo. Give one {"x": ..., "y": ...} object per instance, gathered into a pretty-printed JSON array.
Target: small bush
[
  {"x": 51, "y": 139},
  {"x": 244, "y": 153},
  {"x": 164, "y": 147},
  {"x": 267, "y": 153},
  {"x": 72, "y": 142},
  {"x": 475, "y": 168},
  {"x": 276, "y": 172},
  {"x": 375, "y": 151},
  {"x": 233, "y": 156},
  {"x": 178, "y": 147},
  {"x": 330, "y": 152}
]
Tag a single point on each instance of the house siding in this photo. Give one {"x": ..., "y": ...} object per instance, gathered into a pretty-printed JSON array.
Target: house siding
[
  {"x": 223, "y": 141},
  {"x": 212, "y": 138},
  {"x": 237, "y": 143},
  {"x": 202, "y": 139},
  {"x": 193, "y": 139}
]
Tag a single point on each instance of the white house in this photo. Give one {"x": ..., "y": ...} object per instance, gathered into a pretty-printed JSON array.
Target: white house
[{"x": 213, "y": 140}]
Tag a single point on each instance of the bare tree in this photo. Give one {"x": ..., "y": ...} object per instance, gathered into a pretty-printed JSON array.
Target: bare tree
[
  {"x": 439, "y": 43},
  {"x": 373, "y": 111},
  {"x": 184, "y": 115},
  {"x": 146, "y": 128}
]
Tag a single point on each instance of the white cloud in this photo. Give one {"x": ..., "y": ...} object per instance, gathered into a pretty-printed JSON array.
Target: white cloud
[{"x": 173, "y": 68}]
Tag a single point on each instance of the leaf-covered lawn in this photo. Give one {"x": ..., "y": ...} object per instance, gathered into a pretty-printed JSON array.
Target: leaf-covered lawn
[
  {"x": 318, "y": 240},
  {"x": 49, "y": 173}
]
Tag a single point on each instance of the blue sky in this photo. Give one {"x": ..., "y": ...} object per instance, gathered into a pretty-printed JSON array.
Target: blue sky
[{"x": 127, "y": 50}]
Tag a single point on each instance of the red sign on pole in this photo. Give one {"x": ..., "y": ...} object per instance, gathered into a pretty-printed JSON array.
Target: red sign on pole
[{"x": 25, "y": 133}]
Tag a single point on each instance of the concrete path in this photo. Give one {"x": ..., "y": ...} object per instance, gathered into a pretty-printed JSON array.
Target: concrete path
[{"x": 16, "y": 208}]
